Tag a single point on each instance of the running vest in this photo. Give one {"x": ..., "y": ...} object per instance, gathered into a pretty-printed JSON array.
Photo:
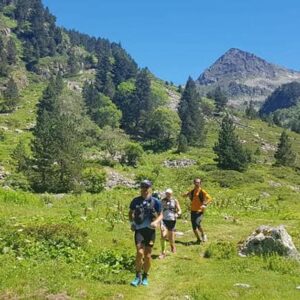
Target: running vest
[{"x": 169, "y": 209}]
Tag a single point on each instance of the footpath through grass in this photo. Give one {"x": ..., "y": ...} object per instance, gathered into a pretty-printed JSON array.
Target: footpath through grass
[{"x": 81, "y": 247}]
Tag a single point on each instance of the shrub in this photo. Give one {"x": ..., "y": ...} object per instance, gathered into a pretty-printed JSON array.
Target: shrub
[
  {"x": 94, "y": 180},
  {"x": 133, "y": 153},
  {"x": 220, "y": 250}
]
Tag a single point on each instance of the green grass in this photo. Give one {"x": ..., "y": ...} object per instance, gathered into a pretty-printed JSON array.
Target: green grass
[{"x": 100, "y": 266}]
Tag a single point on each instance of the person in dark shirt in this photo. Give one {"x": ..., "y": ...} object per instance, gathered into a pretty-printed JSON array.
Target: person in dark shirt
[{"x": 145, "y": 214}]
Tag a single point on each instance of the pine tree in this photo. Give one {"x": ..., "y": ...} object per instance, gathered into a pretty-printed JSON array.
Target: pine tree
[
  {"x": 220, "y": 98},
  {"x": 20, "y": 157},
  {"x": 182, "y": 144},
  {"x": 230, "y": 153},
  {"x": 11, "y": 95},
  {"x": 11, "y": 52},
  {"x": 3, "y": 59},
  {"x": 192, "y": 120},
  {"x": 57, "y": 144},
  {"x": 142, "y": 104},
  {"x": 284, "y": 155},
  {"x": 250, "y": 111},
  {"x": 103, "y": 70}
]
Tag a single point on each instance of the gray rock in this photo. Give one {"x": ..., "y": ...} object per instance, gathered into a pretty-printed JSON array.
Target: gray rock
[
  {"x": 114, "y": 179},
  {"x": 266, "y": 240},
  {"x": 179, "y": 163},
  {"x": 242, "y": 285}
]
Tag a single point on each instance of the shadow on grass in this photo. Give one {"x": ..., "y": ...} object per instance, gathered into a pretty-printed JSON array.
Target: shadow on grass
[{"x": 189, "y": 243}]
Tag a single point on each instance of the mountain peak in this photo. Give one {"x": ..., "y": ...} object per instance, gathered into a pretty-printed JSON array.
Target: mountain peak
[
  {"x": 237, "y": 64},
  {"x": 244, "y": 75}
]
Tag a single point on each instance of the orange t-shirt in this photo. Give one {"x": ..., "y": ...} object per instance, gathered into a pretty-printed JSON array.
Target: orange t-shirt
[{"x": 196, "y": 204}]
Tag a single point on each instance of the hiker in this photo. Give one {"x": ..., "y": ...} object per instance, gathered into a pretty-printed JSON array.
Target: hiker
[
  {"x": 171, "y": 210},
  {"x": 199, "y": 200},
  {"x": 145, "y": 215}
]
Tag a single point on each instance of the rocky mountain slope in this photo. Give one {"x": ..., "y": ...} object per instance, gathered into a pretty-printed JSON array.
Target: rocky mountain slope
[{"x": 244, "y": 77}]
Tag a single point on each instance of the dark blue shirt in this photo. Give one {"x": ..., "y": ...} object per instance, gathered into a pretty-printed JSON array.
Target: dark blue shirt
[{"x": 140, "y": 201}]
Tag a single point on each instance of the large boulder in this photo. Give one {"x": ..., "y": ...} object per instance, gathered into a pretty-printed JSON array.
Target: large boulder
[{"x": 267, "y": 240}]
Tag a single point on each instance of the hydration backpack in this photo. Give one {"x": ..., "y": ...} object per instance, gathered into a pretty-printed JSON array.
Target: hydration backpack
[
  {"x": 144, "y": 210},
  {"x": 201, "y": 196}
]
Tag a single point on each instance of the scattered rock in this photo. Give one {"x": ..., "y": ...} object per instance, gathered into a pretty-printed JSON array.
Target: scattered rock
[
  {"x": 179, "y": 163},
  {"x": 118, "y": 297},
  {"x": 242, "y": 285},
  {"x": 266, "y": 240},
  {"x": 267, "y": 147},
  {"x": 274, "y": 184},
  {"x": 115, "y": 179},
  {"x": 4, "y": 128},
  {"x": 61, "y": 296},
  {"x": 265, "y": 195},
  {"x": 18, "y": 130},
  {"x": 3, "y": 173}
]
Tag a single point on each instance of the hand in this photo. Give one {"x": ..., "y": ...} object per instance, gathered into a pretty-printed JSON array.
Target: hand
[
  {"x": 132, "y": 227},
  {"x": 153, "y": 224}
]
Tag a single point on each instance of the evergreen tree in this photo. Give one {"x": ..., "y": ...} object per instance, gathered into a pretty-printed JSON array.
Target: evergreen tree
[
  {"x": 182, "y": 144},
  {"x": 284, "y": 155},
  {"x": 3, "y": 59},
  {"x": 141, "y": 104},
  {"x": 220, "y": 98},
  {"x": 73, "y": 63},
  {"x": 124, "y": 66},
  {"x": 192, "y": 120},
  {"x": 91, "y": 98},
  {"x": 19, "y": 155},
  {"x": 103, "y": 72},
  {"x": 11, "y": 52},
  {"x": 250, "y": 111},
  {"x": 11, "y": 96},
  {"x": 230, "y": 153},
  {"x": 57, "y": 144}
]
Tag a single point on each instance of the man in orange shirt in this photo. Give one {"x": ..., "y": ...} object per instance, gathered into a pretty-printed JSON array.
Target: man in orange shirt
[{"x": 199, "y": 200}]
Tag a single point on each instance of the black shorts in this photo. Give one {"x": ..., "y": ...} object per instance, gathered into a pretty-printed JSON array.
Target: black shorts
[
  {"x": 145, "y": 236},
  {"x": 169, "y": 224},
  {"x": 196, "y": 218}
]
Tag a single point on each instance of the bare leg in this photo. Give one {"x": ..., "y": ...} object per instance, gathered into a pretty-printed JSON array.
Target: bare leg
[
  {"x": 139, "y": 259},
  {"x": 147, "y": 259},
  {"x": 171, "y": 236},
  {"x": 197, "y": 233}
]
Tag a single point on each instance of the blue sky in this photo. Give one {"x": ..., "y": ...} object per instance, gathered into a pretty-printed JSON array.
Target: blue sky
[{"x": 180, "y": 38}]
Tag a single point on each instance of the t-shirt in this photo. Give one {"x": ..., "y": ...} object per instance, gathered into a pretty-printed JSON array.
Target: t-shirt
[
  {"x": 196, "y": 204},
  {"x": 146, "y": 203}
]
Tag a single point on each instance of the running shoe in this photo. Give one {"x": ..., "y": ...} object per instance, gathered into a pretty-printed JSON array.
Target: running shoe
[{"x": 136, "y": 281}]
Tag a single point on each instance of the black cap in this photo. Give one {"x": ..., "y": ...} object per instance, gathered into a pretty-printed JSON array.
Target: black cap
[{"x": 146, "y": 183}]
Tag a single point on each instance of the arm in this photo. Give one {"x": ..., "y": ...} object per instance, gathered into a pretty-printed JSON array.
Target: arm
[
  {"x": 130, "y": 215},
  {"x": 178, "y": 208},
  {"x": 156, "y": 222}
]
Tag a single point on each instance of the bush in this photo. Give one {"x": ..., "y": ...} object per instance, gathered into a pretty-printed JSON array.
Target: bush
[
  {"x": 48, "y": 241},
  {"x": 133, "y": 153},
  {"x": 94, "y": 180},
  {"x": 220, "y": 250}
]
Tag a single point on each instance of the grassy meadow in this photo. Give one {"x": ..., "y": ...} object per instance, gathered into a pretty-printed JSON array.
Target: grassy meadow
[{"x": 81, "y": 247}]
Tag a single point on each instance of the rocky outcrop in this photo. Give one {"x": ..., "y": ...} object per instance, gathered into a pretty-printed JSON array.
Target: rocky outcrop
[
  {"x": 244, "y": 77},
  {"x": 114, "y": 179},
  {"x": 267, "y": 240},
  {"x": 179, "y": 163}
]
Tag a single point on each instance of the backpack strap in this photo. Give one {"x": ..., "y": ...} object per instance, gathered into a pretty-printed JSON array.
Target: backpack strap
[{"x": 201, "y": 195}]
